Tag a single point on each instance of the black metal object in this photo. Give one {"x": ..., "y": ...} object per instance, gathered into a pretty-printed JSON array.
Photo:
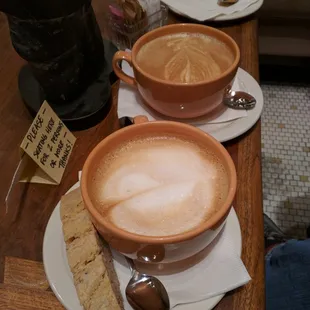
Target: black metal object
[
  {"x": 125, "y": 121},
  {"x": 69, "y": 64},
  {"x": 87, "y": 110}
]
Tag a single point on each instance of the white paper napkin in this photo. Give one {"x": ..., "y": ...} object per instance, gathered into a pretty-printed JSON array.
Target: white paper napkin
[
  {"x": 221, "y": 271},
  {"x": 130, "y": 103},
  {"x": 206, "y": 9}
]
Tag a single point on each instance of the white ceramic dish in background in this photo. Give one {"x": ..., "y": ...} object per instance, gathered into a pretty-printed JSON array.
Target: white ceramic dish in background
[
  {"x": 60, "y": 278},
  {"x": 237, "y": 15}
]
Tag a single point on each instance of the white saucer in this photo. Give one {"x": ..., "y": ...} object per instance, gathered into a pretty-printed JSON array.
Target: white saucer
[
  {"x": 221, "y": 131},
  {"x": 236, "y": 15},
  {"x": 60, "y": 278},
  {"x": 232, "y": 129}
]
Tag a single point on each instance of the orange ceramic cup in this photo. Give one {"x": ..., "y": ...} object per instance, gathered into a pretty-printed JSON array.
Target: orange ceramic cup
[
  {"x": 179, "y": 100},
  {"x": 180, "y": 250}
]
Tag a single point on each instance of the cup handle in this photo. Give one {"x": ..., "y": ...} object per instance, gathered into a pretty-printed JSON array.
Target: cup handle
[
  {"x": 139, "y": 119},
  {"x": 119, "y": 56}
]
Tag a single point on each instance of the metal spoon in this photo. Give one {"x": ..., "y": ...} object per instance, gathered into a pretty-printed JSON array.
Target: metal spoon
[
  {"x": 239, "y": 100},
  {"x": 226, "y": 2},
  {"x": 145, "y": 292},
  {"x": 125, "y": 121}
]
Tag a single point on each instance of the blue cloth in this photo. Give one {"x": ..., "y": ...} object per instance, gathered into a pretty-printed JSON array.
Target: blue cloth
[{"x": 288, "y": 276}]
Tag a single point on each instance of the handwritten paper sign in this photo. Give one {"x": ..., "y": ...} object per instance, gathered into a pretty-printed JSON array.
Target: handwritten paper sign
[{"x": 48, "y": 143}]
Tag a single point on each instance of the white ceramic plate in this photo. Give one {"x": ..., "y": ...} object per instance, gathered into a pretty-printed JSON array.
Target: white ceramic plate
[
  {"x": 60, "y": 278},
  {"x": 246, "y": 12},
  {"x": 223, "y": 131},
  {"x": 232, "y": 129}
]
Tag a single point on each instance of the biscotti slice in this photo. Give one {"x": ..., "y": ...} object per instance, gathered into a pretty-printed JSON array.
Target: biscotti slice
[
  {"x": 103, "y": 298},
  {"x": 83, "y": 250},
  {"x": 90, "y": 259},
  {"x": 108, "y": 262},
  {"x": 71, "y": 203},
  {"x": 89, "y": 278},
  {"x": 76, "y": 226}
]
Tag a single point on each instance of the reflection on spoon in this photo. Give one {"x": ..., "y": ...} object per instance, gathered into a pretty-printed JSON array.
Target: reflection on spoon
[
  {"x": 145, "y": 292},
  {"x": 239, "y": 100}
]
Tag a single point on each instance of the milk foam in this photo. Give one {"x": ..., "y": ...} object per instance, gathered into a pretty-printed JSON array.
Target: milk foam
[
  {"x": 185, "y": 57},
  {"x": 158, "y": 187}
]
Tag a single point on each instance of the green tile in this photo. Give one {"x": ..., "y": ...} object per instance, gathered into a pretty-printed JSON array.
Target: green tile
[
  {"x": 276, "y": 160},
  {"x": 303, "y": 178},
  {"x": 288, "y": 205}
]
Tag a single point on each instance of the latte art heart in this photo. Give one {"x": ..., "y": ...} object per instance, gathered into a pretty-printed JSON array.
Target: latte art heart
[
  {"x": 185, "y": 58},
  {"x": 159, "y": 186}
]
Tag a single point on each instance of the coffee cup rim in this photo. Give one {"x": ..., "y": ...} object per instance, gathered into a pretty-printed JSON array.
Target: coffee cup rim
[
  {"x": 227, "y": 72},
  {"x": 188, "y": 235}
]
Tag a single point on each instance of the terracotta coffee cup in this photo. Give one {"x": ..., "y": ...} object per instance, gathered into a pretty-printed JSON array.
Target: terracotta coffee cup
[
  {"x": 179, "y": 100},
  {"x": 164, "y": 250}
]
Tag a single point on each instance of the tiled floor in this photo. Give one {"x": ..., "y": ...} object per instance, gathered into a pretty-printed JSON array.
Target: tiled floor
[{"x": 286, "y": 157}]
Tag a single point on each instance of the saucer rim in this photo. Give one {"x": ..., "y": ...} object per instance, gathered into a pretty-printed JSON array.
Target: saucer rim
[
  {"x": 251, "y": 9},
  {"x": 239, "y": 126},
  {"x": 59, "y": 279}
]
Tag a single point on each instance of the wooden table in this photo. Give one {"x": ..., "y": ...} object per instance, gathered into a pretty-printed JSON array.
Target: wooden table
[{"x": 22, "y": 229}]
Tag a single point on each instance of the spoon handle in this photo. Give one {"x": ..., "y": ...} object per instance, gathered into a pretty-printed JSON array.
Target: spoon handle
[
  {"x": 131, "y": 265},
  {"x": 227, "y": 2}
]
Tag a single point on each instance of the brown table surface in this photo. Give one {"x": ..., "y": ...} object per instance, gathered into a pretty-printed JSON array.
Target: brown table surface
[{"x": 22, "y": 229}]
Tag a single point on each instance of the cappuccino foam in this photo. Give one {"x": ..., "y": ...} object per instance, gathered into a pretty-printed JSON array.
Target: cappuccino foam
[
  {"x": 159, "y": 186},
  {"x": 185, "y": 57}
]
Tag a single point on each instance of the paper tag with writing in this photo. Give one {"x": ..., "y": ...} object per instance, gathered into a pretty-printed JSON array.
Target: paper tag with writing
[{"x": 49, "y": 144}]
